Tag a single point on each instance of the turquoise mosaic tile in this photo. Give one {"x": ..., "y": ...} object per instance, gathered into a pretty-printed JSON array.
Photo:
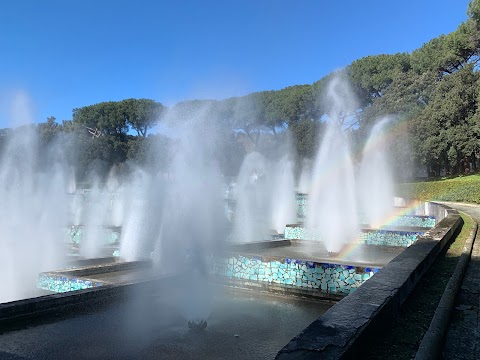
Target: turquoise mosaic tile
[
  {"x": 377, "y": 237},
  {"x": 294, "y": 232},
  {"x": 74, "y": 235},
  {"x": 60, "y": 283},
  {"x": 413, "y": 220},
  {"x": 299, "y": 232},
  {"x": 390, "y": 238},
  {"x": 328, "y": 278}
]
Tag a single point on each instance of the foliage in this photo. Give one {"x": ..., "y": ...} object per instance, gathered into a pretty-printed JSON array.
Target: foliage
[
  {"x": 446, "y": 131},
  {"x": 376, "y": 73},
  {"x": 449, "y": 53},
  {"x": 291, "y": 105},
  {"x": 107, "y": 118},
  {"x": 433, "y": 91},
  {"x": 116, "y": 117},
  {"x": 461, "y": 189},
  {"x": 142, "y": 114},
  {"x": 306, "y": 135},
  {"x": 152, "y": 152}
]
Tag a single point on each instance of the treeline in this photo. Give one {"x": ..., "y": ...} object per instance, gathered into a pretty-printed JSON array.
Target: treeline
[
  {"x": 434, "y": 92},
  {"x": 436, "y": 89},
  {"x": 89, "y": 153}
]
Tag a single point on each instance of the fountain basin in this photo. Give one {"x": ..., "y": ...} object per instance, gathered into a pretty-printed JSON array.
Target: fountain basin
[
  {"x": 296, "y": 265},
  {"x": 301, "y": 265},
  {"x": 242, "y": 325}
]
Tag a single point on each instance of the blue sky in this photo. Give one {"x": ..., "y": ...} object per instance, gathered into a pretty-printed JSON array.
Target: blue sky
[{"x": 58, "y": 55}]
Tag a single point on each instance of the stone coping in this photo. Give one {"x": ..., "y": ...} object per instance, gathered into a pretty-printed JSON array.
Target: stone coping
[
  {"x": 77, "y": 263},
  {"x": 252, "y": 246},
  {"x": 93, "y": 269},
  {"x": 343, "y": 331}
]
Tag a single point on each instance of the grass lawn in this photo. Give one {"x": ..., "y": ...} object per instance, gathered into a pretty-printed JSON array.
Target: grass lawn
[
  {"x": 402, "y": 340},
  {"x": 462, "y": 189}
]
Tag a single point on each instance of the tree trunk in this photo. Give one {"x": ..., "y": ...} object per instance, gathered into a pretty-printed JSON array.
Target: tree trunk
[
  {"x": 447, "y": 165},
  {"x": 460, "y": 168}
]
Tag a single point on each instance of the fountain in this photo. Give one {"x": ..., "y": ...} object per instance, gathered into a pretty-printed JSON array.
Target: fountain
[
  {"x": 96, "y": 210},
  {"x": 332, "y": 204},
  {"x": 173, "y": 248},
  {"x": 305, "y": 177},
  {"x": 142, "y": 197},
  {"x": 265, "y": 197},
  {"x": 34, "y": 211},
  {"x": 375, "y": 177},
  {"x": 252, "y": 197},
  {"x": 192, "y": 227},
  {"x": 283, "y": 207}
]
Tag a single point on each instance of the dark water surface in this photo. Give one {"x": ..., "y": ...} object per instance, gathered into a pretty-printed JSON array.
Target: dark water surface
[{"x": 241, "y": 325}]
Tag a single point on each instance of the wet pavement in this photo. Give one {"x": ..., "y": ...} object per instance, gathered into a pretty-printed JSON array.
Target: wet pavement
[
  {"x": 241, "y": 325},
  {"x": 463, "y": 336},
  {"x": 124, "y": 276},
  {"x": 353, "y": 254}
]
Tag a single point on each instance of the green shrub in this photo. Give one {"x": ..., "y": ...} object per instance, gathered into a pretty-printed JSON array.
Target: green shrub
[{"x": 462, "y": 189}]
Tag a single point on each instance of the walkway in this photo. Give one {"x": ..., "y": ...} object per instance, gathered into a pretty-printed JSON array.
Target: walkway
[{"x": 463, "y": 336}]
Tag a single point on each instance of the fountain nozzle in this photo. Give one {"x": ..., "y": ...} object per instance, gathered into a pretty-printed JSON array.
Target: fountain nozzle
[{"x": 197, "y": 325}]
